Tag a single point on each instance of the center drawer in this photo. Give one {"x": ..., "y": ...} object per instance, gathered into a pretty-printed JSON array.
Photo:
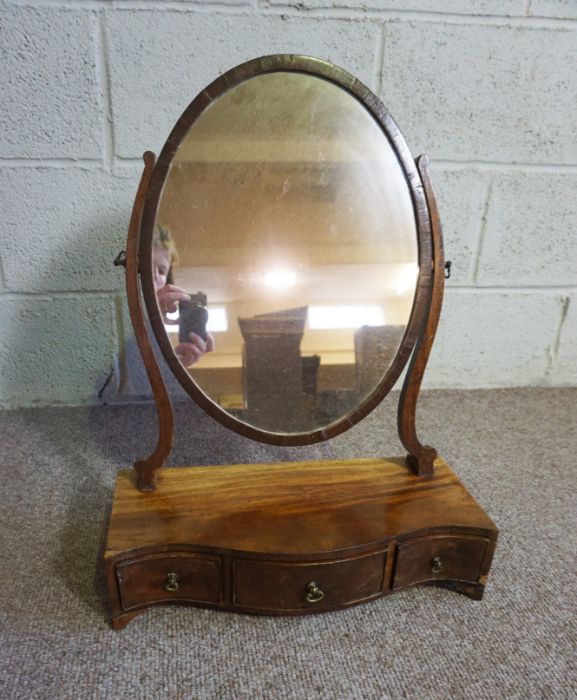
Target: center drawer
[
  {"x": 182, "y": 576},
  {"x": 285, "y": 586}
]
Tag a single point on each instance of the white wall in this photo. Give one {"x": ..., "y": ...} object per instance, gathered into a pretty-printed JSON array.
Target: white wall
[{"x": 487, "y": 88}]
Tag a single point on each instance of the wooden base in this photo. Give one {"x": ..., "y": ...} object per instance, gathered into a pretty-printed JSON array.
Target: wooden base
[{"x": 292, "y": 538}]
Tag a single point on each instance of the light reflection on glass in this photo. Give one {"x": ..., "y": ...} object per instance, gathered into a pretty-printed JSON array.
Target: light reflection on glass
[
  {"x": 279, "y": 278},
  {"x": 290, "y": 211}
]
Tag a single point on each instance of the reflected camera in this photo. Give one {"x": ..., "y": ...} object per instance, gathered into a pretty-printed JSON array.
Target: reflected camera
[{"x": 193, "y": 316}]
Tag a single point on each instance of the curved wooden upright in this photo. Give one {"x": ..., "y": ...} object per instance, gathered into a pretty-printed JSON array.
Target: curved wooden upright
[
  {"x": 421, "y": 457},
  {"x": 146, "y": 468}
]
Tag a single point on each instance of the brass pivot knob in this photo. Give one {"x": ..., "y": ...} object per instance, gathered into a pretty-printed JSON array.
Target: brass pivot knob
[
  {"x": 436, "y": 565},
  {"x": 171, "y": 583},
  {"x": 314, "y": 593}
]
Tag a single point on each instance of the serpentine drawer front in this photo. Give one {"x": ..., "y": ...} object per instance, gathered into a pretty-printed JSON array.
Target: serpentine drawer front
[
  {"x": 379, "y": 530},
  {"x": 286, "y": 586},
  {"x": 451, "y": 558},
  {"x": 156, "y": 578}
]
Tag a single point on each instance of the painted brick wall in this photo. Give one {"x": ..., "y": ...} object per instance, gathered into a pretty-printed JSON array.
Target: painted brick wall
[{"x": 487, "y": 88}]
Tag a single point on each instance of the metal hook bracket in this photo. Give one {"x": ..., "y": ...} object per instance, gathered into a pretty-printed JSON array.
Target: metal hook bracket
[{"x": 120, "y": 259}]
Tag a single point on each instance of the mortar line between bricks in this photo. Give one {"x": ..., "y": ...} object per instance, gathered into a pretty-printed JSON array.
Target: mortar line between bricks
[
  {"x": 351, "y": 13},
  {"x": 139, "y": 5},
  {"x": 554, "y": 350},
  {"x": 84, "y": 163},
  {"x": 183, "y": 6},
  {"x": 482, "y": 231},
  {"x": 379, "y": 60},
  {"x": 448, "y": 165},
  {"x": 371, "y": 14},
  {"x": 513, "y": 288},
  {"x": 79, "y": 4},
  {"x": 50, "y": 295},
  {"x": 2, "y": 276},
  {"x": 499, "y": 166},
  {"x": 103, "y": 74},
  {"x": 119, "y": 327}
]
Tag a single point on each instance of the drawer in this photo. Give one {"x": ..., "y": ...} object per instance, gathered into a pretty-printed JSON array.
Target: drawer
[
  {"x": 157, "y": 578},
  {"x": 285, "y": 586},
  {"x": 440, "y": 558}
]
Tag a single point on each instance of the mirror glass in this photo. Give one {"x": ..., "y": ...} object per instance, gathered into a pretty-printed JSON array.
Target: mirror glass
[{"x": 287, "y": 208}]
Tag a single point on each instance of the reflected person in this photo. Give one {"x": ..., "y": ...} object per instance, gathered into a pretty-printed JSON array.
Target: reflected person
[
  {"x": 127, "y": 381},
  {"x": 164, "y": 259}
]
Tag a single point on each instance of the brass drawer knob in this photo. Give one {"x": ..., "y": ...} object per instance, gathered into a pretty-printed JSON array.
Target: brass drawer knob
[
  {"x": 436, "y": 565},
  {"x": 314, "y": 593},
  {"x": 171, "y": 583}
]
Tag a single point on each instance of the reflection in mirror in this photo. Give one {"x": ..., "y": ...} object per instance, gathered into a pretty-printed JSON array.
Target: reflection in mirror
[{"x": 291, "y": 214}]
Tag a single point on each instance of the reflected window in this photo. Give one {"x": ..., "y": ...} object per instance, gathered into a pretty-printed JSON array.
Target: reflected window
[
  {"x": 334, "y": 317},
  {"x": 217, "y": 320}
]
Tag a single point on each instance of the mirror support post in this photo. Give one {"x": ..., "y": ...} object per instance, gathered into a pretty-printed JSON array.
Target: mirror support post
[
  {"x": 421, "y": 457},
  {"x": 146, "y": 469}
]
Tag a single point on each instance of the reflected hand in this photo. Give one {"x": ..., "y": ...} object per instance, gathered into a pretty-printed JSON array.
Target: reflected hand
[
  {"x": 169, "y": 296},
  {"x": 189, "y": 353}
]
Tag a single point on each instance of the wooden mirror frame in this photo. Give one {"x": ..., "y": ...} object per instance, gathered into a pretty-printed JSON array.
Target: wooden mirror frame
[{"x": 419, "y": 332}]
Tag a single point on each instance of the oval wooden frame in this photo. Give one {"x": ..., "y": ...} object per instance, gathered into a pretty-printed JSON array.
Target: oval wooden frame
[{"x": 423, "y": 291}]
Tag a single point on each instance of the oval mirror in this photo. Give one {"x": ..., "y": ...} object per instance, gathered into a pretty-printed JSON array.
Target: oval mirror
[{"x": 288, "y": 199}]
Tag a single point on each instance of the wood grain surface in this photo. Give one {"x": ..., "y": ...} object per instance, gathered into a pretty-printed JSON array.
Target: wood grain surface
[
  {"x": 421, "y": 457},
  {"x": 146, "y": 468},
  {"x": 291, "y": 509}
]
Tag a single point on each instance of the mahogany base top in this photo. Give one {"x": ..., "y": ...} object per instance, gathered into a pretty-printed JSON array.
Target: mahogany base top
[
  {"x": 292, "y": 538},
  {"x": 291, "y": 508}
]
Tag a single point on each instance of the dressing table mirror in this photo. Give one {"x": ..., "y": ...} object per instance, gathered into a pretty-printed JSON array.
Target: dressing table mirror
[{"x": 304, "y": 249}]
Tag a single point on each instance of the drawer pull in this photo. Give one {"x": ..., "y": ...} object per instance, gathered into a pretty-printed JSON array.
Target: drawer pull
[
  {"x": 314, "y": 593},
  {"x": 436, "y": 565},
  {"x": 171, "y": 583}
]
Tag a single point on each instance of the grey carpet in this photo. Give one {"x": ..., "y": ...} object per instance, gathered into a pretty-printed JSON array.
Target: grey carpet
[{"x": 515, "y": 451}]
